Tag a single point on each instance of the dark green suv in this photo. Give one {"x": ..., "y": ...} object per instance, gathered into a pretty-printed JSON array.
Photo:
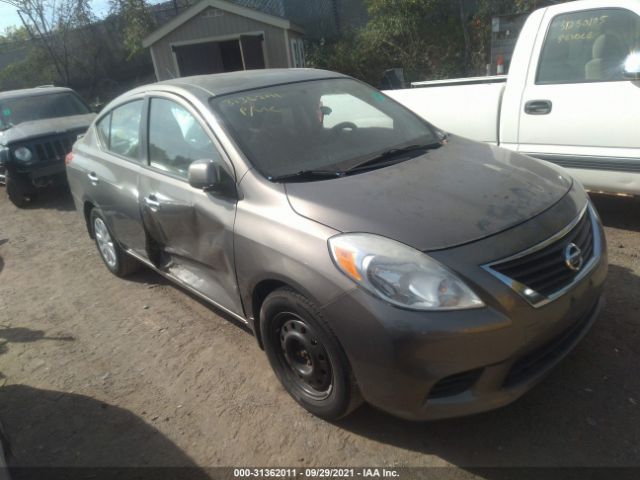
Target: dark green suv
[{"x": 38, "y": 127}]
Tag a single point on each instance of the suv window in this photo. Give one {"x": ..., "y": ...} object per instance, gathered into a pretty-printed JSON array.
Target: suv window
[
  {"x": 39, "y": 107},
  {"x": 119, "y": 131},
  {"x": 176, "y": 139},
  {"x": 588, "y": 46}
]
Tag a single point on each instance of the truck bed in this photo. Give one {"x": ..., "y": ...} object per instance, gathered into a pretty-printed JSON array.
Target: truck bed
[{"x": 469, "y": 107}]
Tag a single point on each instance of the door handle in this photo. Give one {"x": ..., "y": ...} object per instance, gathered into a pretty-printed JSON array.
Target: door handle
[
  {"x": 93, "y": 178},
  {"x": 152, "y": 202},
  {"x": 538, "y": 107}
]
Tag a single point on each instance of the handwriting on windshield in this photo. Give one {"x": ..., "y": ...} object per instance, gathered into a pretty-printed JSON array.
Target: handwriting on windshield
[
  {"x": 581, "y": 29},
  {"x": 247, "y": 103}
]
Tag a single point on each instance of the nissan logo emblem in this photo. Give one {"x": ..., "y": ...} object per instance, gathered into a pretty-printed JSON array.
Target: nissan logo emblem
[{"x": 573, "y": 257}]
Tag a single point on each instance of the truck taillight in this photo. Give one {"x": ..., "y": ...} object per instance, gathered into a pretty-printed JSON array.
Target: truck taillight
[{"x": 69, "y": 158}]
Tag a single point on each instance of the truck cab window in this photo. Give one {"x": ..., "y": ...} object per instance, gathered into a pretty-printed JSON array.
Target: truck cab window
[{"x": 588, "y": 46}]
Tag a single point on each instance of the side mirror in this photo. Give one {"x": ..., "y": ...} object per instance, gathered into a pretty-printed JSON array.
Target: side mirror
[
  {"x": 206, "y": 174},
  {"x": 632, "y": 66}
]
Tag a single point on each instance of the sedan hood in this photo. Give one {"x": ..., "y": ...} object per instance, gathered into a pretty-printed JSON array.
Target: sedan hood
[
  {"x": 461, "y": 192},
  {"x": 48, "y": 126}
]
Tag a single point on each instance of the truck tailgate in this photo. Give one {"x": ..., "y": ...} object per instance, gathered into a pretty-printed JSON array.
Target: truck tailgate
[{"x": 471, "y": 111}]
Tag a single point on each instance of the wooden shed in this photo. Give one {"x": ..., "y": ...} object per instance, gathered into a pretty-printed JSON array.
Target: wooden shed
[{"x": 215, "y": 36}]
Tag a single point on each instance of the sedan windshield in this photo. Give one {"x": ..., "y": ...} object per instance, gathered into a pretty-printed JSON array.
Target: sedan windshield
[
  {"x": 38, "y": 107},
  {"x": 309, "y": 130}
]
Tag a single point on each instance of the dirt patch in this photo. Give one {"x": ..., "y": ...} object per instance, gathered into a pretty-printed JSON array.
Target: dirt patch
[{"x": 103, "y": 371}]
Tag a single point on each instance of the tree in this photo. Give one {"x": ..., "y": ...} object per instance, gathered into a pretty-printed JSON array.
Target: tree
[
  {"x": 136, "y": 21},
  {"x": 430, "y": 39},
  {"x": 50, "y": 23}
]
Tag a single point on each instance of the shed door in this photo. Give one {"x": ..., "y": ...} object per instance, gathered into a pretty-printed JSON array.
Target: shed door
[
  {"x": 198, "y": 59},
  {"x": 252, "y": 53}
]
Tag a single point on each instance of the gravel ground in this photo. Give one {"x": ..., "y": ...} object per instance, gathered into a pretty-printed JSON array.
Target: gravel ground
[{"x": 99, "y": 371}]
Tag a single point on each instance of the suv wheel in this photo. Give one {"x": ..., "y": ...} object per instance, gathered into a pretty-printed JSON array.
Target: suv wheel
[
  {"x": 19, "y": 189},
  {"x": 306, "y": 356},
  {"x": 113, "y": 255}
]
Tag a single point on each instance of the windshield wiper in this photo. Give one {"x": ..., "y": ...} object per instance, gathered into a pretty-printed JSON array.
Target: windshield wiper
[
  {"x": 390, "y": 156},
  {"x": 6, "y": 127},
  {"x": 304, "y": 175}
]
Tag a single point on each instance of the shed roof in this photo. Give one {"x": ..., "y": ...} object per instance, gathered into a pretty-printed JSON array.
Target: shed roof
[{"x": 199, "y": 7}]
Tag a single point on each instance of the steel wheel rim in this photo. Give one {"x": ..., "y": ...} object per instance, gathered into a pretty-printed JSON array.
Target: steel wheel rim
[
  {"x": 303, "y": 357},
  {"x": 105, "y": 243}
]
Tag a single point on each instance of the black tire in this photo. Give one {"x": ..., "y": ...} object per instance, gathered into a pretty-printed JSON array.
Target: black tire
[
  {"x": 306, "y": 355},
  {"x": 120, "y": 263},
  {"x": 19, "y": 189}
]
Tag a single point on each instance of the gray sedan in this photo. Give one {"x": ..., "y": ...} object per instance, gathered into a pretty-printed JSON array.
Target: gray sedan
[{"x": 374, "y": 256}]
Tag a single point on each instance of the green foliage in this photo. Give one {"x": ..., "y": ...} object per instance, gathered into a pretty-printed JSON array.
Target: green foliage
[
  {"x": 430, "y": 39},
  {"x": 35, "y": 70},
  {"x": 71, "y": 47},
  {"x": 136, "y": 22}
]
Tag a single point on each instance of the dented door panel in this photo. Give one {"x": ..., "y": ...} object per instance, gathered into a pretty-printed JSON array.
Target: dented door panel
[{"x": 191, "y": 236}]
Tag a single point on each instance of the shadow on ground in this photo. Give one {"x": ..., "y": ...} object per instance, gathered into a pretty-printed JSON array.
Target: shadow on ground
[
  {"x": 618, "y": 212},
  {"x": 57, "y": 429},
  {"x": 49, "y": 434},
  {"x": 153, "y": 279},
  {"x": 586, "y": 413},
  {"x": 54, "y": 198}
]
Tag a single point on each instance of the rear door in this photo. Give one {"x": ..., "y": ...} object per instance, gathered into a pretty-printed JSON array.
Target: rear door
[
  {"x": 191, "y": 231},
  {"x": 577, "y": 110},
  {"x": 112, "y": 169}
]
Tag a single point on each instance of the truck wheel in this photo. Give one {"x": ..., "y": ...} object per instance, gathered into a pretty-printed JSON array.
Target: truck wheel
[
  {"x": 113, "y": 255},
  {"x": 306, "y": 356},
  {"x": 19, "y": 190}
]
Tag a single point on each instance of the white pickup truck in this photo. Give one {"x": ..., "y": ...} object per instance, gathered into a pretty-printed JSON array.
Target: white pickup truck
[{"x": 572, "y": 95}]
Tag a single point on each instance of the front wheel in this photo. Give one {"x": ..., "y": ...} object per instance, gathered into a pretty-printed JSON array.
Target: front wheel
[
  {"x": 19, "y": 189},
  {"x": 306, "y": 356},
  {"x": 113, "y": 255}
]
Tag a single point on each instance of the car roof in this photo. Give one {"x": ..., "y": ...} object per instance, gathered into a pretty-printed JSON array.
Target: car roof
[
  {"x": 231, "y": 82},
  {"x": 32, "y": 92}
]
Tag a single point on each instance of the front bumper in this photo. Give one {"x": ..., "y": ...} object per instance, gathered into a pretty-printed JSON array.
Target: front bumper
[
  {"x": 41, "y": 169},
  {"x": 432, "y": 365}
]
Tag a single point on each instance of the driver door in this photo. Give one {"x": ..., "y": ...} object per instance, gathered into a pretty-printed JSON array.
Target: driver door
[
  {"x": 190, "y": 231},
  {"x": 577, "y": 108}
]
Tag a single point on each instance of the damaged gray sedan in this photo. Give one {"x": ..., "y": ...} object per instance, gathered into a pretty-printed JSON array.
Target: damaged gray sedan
[{"x": 374, "y": 257}]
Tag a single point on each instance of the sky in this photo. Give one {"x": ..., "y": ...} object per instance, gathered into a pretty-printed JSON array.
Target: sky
[{"x": 9, "y": 17}]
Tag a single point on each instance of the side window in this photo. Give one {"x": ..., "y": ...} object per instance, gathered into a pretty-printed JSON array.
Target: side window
[
  {"x": 124, "y": 130},
  {"x": 588, "y": 46},
  {"x": 103, "y": 128},
  {"x": 344, "y": 107},
  {"x": 176, "y": 138}
]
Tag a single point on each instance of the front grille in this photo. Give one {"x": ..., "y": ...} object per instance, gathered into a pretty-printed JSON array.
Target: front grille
[
  {"x": 455, "y": 384},
  {"x": 52, "y": 148},
  {"x": 544, "y": 271},
  {"x": 538, "y": 360}
]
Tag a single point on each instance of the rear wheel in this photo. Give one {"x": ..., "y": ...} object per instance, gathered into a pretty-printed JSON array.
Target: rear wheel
[
  {"x": 306, "y": 356},
  {"x": 113, "y": 255},
  {"x": 19, "y": 189}
]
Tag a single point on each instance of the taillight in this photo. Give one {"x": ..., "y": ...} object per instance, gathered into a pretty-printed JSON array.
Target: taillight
[{"x": 69, "y": 158}]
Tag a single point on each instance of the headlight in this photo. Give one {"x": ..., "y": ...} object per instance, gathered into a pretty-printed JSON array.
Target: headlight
[
  {"x": 4, "y": 155},
  {"x": 22, "y": 153},
  {"x": 399, "y": 274}
]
